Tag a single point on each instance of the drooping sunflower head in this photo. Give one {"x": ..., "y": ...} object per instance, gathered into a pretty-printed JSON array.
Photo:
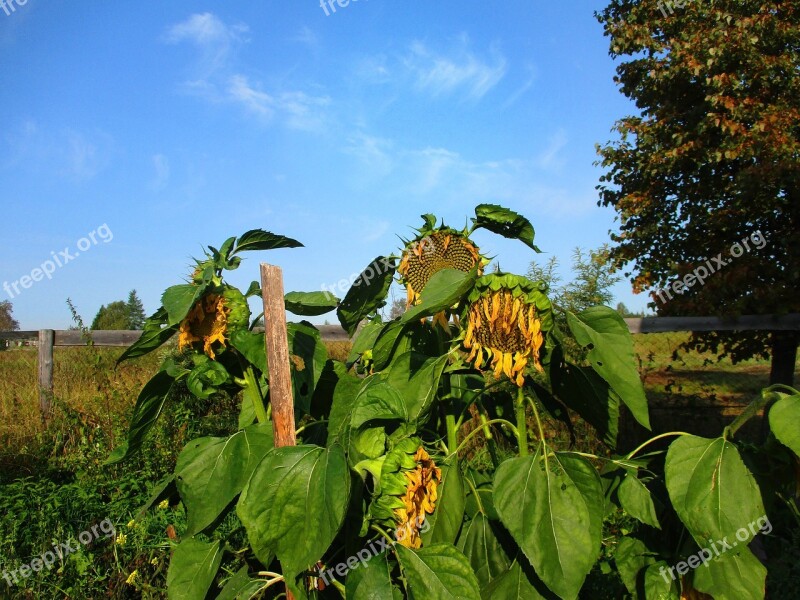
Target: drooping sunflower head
[
  {"x": 408, "y": 491},
  {"x": 507, "y": 318},
  {"x": 430, "y": 252},
  {"x": 212, "y": 319}
]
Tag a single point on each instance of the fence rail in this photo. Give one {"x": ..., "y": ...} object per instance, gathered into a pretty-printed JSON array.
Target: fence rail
[{"x": 48, "y": 339}]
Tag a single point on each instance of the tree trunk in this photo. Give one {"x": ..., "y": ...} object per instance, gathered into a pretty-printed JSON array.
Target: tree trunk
[{"x": 784, "y": 356}]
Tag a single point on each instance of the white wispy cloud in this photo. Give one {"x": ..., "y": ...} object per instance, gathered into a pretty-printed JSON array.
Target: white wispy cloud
[
  {"x": 215, "y": 39},
  {"x": 296, "y": 109},
  {"x": 461, "y": 70},
  {"x": 220, "y": 82},
  {"x": 550, "y": 158},
  {"x": 446, "y": 177}
]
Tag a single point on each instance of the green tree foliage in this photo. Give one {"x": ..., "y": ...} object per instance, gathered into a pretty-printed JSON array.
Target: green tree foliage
[
  {"x": 590, "y": 286},
  {"x": 711, "y": 158},
  {"x": 136, "y": 314},
  {"x": 7, "y": 322},
  {"x": 121, "y": 315},
  {"x": 112, "y": 316}
]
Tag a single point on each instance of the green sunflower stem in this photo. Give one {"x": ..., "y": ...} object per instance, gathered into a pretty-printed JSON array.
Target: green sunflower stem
[
  {"x": 252, "y": 392},
  {"x": 452, "y": 431},
  {"x": 522, "y": 425}
]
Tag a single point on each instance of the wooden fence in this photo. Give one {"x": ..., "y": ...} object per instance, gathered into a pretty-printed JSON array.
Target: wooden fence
[{"x": 48, "y": 339}]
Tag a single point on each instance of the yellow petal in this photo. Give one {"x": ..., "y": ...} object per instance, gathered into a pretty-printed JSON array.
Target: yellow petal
[{"x": 495, "y": 307}]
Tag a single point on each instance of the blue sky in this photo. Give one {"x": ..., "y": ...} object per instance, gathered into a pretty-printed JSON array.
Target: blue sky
[{"x": 163, "y": 127}]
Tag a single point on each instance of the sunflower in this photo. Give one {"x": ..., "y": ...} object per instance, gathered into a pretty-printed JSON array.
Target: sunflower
[
  {"x": 507, "y": 317},
  {"x": 211, "y": 320},
  {"x": 409, "y": 490},
  {"x": 431, "y": 252}
]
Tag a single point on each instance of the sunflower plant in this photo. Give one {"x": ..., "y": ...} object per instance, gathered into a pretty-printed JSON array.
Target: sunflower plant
[{"x": 425, "y": 464}]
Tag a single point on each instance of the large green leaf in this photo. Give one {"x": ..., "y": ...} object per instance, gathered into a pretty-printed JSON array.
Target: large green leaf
[
  {"x": 735, "y": 575},
  {"x": 308, "y": 356},
  {"x": 212, "y": 471},
  {"x": 310, "y": 304},
  {"x": 480, "y": 543},
  {"x": 588, "y": 394},
  {"x": 603, "y": 331},
  {"x": 445, "y": 522},
  {"x": 588, "y": 483},
  {"x": 258, "y": 239},
  {"x": 514, "y": 584},
  {"x": 506, "y": 223},
  {"x": 632, "y": 556},
  {"x": 148, "y": 407},
  {"x": 367, "y": 293},
  {"x": 437, "y": 572},
  {"x": 637, "y": 500},
  {"x": 416, "y": 376},
  {"x": 192, "y": 569},
  {"x": 546, "y": 513},
  {"x": 442, "y": 291},
  {"x": 373, "y": 581},
  {"x": 659, "y": 584},
  {"x": 178, "y": 300},
  {"x": 294, "y": 505},
  {"x": 344, "y": 395},
  {"x": 155, "y": 333},
  {"x": 251, "y": 345},
  {"x": 783, "y": 419},
  {"x": 241, "y": 586},
  {"x": 711, "y": 489},
  {"x": 378, "y": 402}
]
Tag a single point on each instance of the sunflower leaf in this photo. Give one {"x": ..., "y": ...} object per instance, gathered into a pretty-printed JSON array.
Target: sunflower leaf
[
  {"x": 505, "y": 222},
  {"x": 367, "y": 293},
  {"x": 178, "y": 300},
  {"x": 438, "y": 572},
  {"x": 148, "y": 407},
  {"x": 603, "y": 331},
  {"x": 310, "y": 304},
  {"x": 192, "y": 569},
  {"x": 294, "y": 506},
  {"x": 258, "y": 239},
  {"x": 443, "y": 290},
  {"x": 153, "y": 336}
]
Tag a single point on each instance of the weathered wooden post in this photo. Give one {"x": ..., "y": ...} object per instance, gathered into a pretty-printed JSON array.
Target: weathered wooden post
[
  {"x": 277, "y": 345},
  {"x": 46, "y": 341}
]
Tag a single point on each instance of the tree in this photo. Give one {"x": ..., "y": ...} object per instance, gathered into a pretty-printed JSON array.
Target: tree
[
  {"x": 7, "y": 322},
  {"x": 136, "y": 314},
  {"x": 121, "y": 315},
  {"x": 712, "y": 160},
  {"x": 113, "y": 316},
  {"x": 591, "y": 286}
]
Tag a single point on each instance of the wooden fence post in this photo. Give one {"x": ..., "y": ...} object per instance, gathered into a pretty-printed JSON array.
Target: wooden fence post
[
  {"x": 277, "y": 345},
  {"x": 46, "y": 341}
]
